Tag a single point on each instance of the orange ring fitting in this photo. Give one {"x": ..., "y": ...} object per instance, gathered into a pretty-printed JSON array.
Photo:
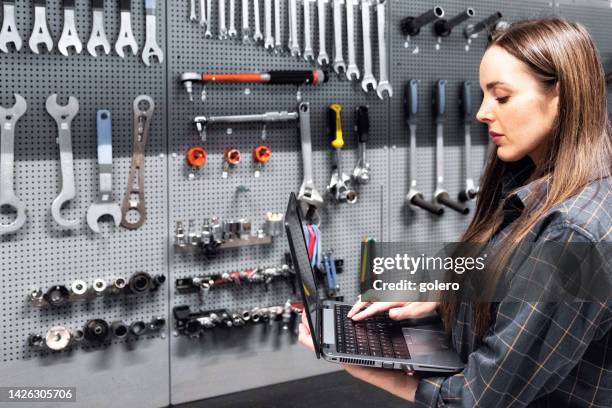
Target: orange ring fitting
[
  {"x": 232, "y": 156},
  {"x": 196, "y": 157},
  {"x": 262, "y": 154}
]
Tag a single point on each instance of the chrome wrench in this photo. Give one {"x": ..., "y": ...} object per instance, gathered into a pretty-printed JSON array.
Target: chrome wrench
[
  {"x": 192, "y": 11},
  {"x": 231, "y": 32},
  {"x": 278, "y": 45},
  {"x": 352, "y": 72},
  {"x": 308, "y": 195},
  {"x": 471, "y": 190},
  {"x": 40, "y": 31},
  {"x": 69, "y": 37},
  {"x": 63, "y": 116},
  {"x": 208, "y": 12},
  {"x": 308, "y": 51},
  {"x": 202, "y": 12},
  {"x": 104, "y": 204},
  {"x": 383, "y": 83},
  {"x": 222, "y": 26},
  {"x": 8, "y": 120},
  {"x": 98, "y": 36},
  {"x": 151, "y": 49},
  {"x": 322, "y": 58},
  {"x": 368, "y": 77},
  {"x": 126, "y": 36},
  {"x": 134, "y": 199},
  {"x": 361, "y": 172},
  {"x": 294, "y": 44},
  {"x": 9, "y": 33},
  {"x": 339, "y": 65},
  {"x": 257, "y": 36},
  {"x": 269, "y": 40},
  {"x": 246, "y": 30}
]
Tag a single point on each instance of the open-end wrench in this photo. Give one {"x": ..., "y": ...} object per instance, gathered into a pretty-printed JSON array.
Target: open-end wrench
[
  {"x": 192, "y": 10},
  {"x": 69, "y": 37},
  {"x": 8, "y": 120},
  {"x": 208, "y": 13},
  {"x": 104, "y": 204},
  {"x": 322, "y": 58},
  {"x": 308, "y": 196},
  {"x": 352, "y": 72},
  {"x": 308, "y": 51},
  {"x": 340, "y": 184},
  {"x": 202, "y": 12},
  {"x": 63, "y": 116},
  {"x": 257, "y": 35},
  {"x": 269, "y": 40},
  {"x": 134, "y": 199},
  {"x": 98, "y": 36},
  {"x": 294, "y": 43},
  {"x": 361, "y": 172},
  {"x": 339, "y": 65},
  {"x": 40, "y": 31},
  {"x": 151, "y": 49},
  {"x": 126, "y": 36},
  {"x": 278, "y": 44},
  {"x": 247, "y": 33},
  {"x": 231, "y": 31},
  {"x": 368, "y": 77},
  {"x": 383, "y": 83},
  {"x": 9, "y": 33},
  {"x": 222, "y": 24}
]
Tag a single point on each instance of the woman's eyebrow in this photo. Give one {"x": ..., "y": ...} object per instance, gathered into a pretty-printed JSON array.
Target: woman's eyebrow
[{"x": 493, "y": 84}]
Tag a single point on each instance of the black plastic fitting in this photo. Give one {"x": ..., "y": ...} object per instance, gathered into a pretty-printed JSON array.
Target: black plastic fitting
[
  {"x": 57, "y": 295},
  {"x": 444, "y": 27},
  {"x": 96, "y": 331},
  {"x": 140, "y": 282},
  {"x": 444, "y": 199},
  {"x": 487, "y": 23},
  {"x": 412, "y": 25}
]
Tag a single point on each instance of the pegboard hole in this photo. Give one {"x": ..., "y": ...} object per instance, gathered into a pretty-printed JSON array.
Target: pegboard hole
[
  {"x": 133, "y": 216},
  {"x": 8, "y": 214}
]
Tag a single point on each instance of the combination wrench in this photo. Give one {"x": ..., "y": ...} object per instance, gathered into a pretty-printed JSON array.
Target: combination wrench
[
  {"x": 208, "y": 13},
  {"x": 151, "y": 49},
  {"x": 294, "y": 44},
  {"x": 361, "y": 172},
  {"x": 134, "y": 199},
  {"x": 269, "y": 39},
  {"x": 352, "y": 72},
  {"x": 104, "y": 204},
  {"x": 257, "y": 35},
  {"x": 8, "y": 120},
  {"x": 339, "y": 65},
  {"x": 202, "y": 12},
  {"x": 310, "y": 199},
  {"x": 126, "y": 36},
  {"x": 308, "y": 51},
  {"x": 368, "y": 77},
  {"x": 278, "y": 44},
  {"x": 98, "y": 36},
  {"x": 246, "y": 30},
  {"x": 322, "y": 58},
  {"x": 222, "y": 25},
  {"x": 63, "y": 116},
  {"x": 69, "y": 37},
  {"x": 40, "y": 31},
  {"x": 9, "y": 33},
  {"x": 192, "y": 10},
  {"x": 231, "y": 31},
  {"x": 383, "y": 83}
]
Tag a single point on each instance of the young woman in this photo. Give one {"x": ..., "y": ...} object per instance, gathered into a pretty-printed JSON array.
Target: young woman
[{"x": 545, "y": 105}]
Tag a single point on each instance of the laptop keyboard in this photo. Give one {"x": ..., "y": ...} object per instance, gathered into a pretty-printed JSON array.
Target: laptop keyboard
[{"x": 376, "y": 336}]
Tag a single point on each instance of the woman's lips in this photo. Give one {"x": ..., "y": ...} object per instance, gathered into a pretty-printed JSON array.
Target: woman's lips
[{"x": 495, "y": 136}]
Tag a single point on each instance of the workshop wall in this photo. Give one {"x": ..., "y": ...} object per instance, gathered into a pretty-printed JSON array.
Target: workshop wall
[{"x": 164, "y": 367}]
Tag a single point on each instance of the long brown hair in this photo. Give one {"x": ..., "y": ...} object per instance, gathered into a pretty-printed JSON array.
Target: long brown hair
[{"x": 579, "y": 149}]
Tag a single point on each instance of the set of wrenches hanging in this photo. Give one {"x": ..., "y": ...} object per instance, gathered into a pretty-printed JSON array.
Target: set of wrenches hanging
[{"x": 41, "y": 38}]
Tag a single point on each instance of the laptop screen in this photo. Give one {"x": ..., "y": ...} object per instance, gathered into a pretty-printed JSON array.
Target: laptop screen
[{"x": 303, "y": 269}]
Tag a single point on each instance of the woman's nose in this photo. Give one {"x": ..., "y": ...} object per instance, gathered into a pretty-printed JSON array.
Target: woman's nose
[{"x": 484, "y": 115}]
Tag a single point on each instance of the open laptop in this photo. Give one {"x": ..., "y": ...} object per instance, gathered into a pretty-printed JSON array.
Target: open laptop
[{"x": 409, "y": 345}]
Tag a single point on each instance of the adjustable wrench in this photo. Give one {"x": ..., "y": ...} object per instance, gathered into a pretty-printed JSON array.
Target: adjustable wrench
[
  {"x": 257, "y": 36},
  {"x": 222, "y": 26},
  {"x": 269, "y": 40},
  {"x": 104, "y": 205},
  {"x": 339, "y": 65},
  {"x": 9, "y": 33},
  {"x": 208, "y": 13},
  {"x": 322, "y": 58},
  {"x": 278, "y": 45},
  {"x": 40, "y": 32},
  {"x": 308, "y": 51},
  {"x": 134, "y": 199},
  {"x": 340, "y": 184},
  {"x": 352, "y": 72},
  {"x": 368, "y": 77},
  {"x": 383, "y": 83},
  {"x": 246, "y": 30},
  {"x": 361, "y": 172},
  {"x": 308, "y": 196},
  {"x": 63, "y": 116},
  {"x": 126, "y": 36},
  {"x": 98, "y": 36},
  {"x": 294, "y": 45},
  {"x": 231, "y": 32},
  {"x": 151, "y": 49},
  {"x": 192, "y": 10},
  {"x": 69, "y": 37},
  {"x": 8, "y": 120}
]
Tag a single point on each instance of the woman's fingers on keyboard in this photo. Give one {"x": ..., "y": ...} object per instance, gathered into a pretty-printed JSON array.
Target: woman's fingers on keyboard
[
  {"x": 412, "y": 310},
  {"x": 357, "y": 307},
  {"x": 375, "y": 308}
]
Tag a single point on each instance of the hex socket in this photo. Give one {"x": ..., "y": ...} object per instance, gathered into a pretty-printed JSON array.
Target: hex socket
[{"x": 412, "y": 25}]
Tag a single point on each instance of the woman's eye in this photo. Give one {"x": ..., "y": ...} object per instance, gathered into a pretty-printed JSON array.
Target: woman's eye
[{"x": 502, "y": 99}]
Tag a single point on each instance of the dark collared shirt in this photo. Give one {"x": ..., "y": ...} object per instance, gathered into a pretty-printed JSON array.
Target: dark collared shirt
[{"x": 537, "y": 354}]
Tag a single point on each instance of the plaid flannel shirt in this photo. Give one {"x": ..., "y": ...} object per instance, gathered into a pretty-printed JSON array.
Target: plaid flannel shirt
[{"x": 537, "y": 354}]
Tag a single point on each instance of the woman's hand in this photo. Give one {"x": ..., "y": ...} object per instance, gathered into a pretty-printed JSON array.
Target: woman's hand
[
  {"x": 304, "y": 337},
  {"x": 397, "y": 310}
]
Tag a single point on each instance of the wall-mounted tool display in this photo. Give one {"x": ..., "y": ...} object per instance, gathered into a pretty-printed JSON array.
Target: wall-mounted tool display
[
  {"x": 415, "y": 198},
  {"x": 383, "y": 83},
  {"x": 8, "y": 198},
  {"x": 361, "y": 172},
  {"x": 126, "y": 36},
  {"x": 134, "y": 199},
  {"x": 368, "y": 75},
  {"x": 441, "y": 196},
  {"x": 411, "y": 26},
  {"x": 63, "y": 116},
  {"x": 9, "y": 33},
  {"x": 40, "y": 31},
  {"x": 104, "y": 204},
  {"x": 340, "y": 186},
  {"x": 470, "y": 191},
  {"x": 70, "y": 36},
  {"x": 98, "y": 35}
]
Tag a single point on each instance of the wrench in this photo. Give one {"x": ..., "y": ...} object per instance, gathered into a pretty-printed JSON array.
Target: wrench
[
  {"x": 269, "y": 40},
  {"x": 340, "y": 184},
  {"x": 278, "y": 45},
  {"x": 339, "y": 65},
  {"x": 40, "y": 32},
  {"x": 257, "y": 36},
  {"x": 8, "y": 120},
  {"x": 308, "y": 196},
  {"x": 9, "y": 33},
  {"x": 222, "y": 26},
  {"x": 322, "y": 58},
  {"x": 352, "y": 72},
  {"x": 308, "y": 51},
  {"x": 246, "y": 30},
  {"x": 383, "y": 83},
  {"x": 192, "y": 11},
  {"x": 104, "y": 205},
  {"x": 231, "y": 32},
  {"x": 63, "y": 116},
  {"x": 208, "y": 33},
  {"x": 368, "y": 78},
  {"x": 294, "y": 45},
  {"x": 126, "y": 37},
  {"x": 134, "y": 199},
  {"x": 69, "y": 37},
  {"x": 202, "y": 12},
  {"x": 151, "y": 49},
  {"x": 361, "y": 172},
  {"x": 98, "y": 36}
]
